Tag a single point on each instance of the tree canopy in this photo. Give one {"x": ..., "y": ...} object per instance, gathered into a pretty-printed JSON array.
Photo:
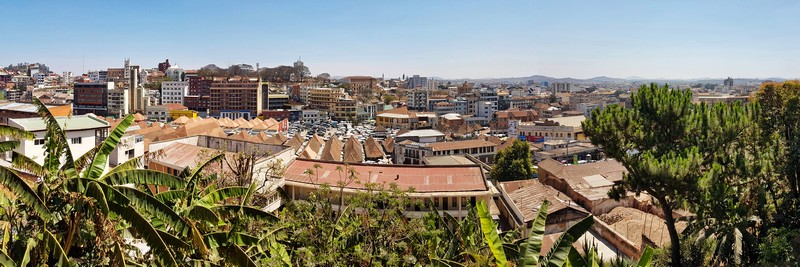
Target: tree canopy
[{"x": 513, "y": 163}]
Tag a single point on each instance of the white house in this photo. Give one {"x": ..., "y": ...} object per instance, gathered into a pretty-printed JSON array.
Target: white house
[
  {"x": 173, "y": 92},
  {"x": 130, "y": 146},
  {"x": 83, "y": 132}
]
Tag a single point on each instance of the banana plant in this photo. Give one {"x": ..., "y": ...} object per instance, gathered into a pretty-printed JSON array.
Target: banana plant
[
  {"x": 219, "y": 216},
  {"x": 70, "y": 193}
]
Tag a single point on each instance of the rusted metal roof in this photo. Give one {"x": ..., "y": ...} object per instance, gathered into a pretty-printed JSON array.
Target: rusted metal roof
[{"x": 421, "y": 178}]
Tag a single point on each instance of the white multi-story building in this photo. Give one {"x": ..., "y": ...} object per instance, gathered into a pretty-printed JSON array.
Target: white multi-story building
[
  {"x": 130, "y": 146},
  {"x": 418, "y": 99},
  {"x": 98, "y": 76},
  {"x": 485, "y": 109},
  {"x": 173, "y": 92},
  {"x": 118, "y": 102},
  {"x": 83, "y": 132},
  {"x": 312, "y": 115}
]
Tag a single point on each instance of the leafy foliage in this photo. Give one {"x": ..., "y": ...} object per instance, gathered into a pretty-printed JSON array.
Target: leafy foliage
[{"x": 513, "y": 163}]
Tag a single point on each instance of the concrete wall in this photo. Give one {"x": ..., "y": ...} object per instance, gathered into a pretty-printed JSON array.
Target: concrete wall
[
  {"x": 36, "y": 152},
  {"x": 623, "y": 244},
  {"x": 118, "y": 156}
]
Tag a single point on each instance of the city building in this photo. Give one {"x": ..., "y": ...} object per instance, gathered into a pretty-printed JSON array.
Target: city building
[
  {"x": 562, "y": 128},
  {"x": 117, "y": 103},
  {"x": 410, "y": 152},
  {"x": 402, "y": 118},
  {"x": 130, "y": 146},
  {"x": 173, "y": 92},
  {"x": 417, "y": 99},
  {"x": 520, "y": 202},
  {"x": 361, "y": 85},
  {"x": 501, "y": 119},
  {"x": 587, "y": 184},
  {"x": 91, "y": 98},
  {"x": 417, "y": 82},
  {"x": 450, "y": 189},
  {"x": 199, "y": 95},
  {"x": 164, "y": 112},
  {"x": 235, "y": 97},
  {"x": 345, "y": 109},
  {"x": 277, "y": 101},
  {"x": 313, "y": 115},
  {"x": 15, "y": 110},
  {"x": 163, "y": 66},
  {"x": 324, "y": 99},
  {"x": 83, "y": 133}
]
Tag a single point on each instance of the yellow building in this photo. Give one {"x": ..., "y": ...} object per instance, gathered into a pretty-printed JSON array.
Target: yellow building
[{"x": 175, "y": 114}]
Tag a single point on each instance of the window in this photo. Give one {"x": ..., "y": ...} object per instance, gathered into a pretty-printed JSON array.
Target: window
[
  {"x": 129, "y": 153},
  {"x": 38, "y": 142},
  {"x": 76, "y": 140}
]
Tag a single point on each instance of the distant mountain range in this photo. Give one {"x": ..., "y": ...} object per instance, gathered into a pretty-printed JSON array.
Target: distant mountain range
[{"x": 605, "y": 79}]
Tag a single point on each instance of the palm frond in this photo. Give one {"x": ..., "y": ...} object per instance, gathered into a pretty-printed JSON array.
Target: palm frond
[
  {"x": 151, "y": 205},
  {"x": 55, "y": 249},
  {"x": 234, "y": 255},
  {"x": 6, "y": 146},
  {"x": 560, "y": 251},
  {"x": 202, "y": 166},
  {"x": 16, "y": 133},
  {"x": 23, "y": 192},
  {"x": 142, "y": 226},
  {"x": 55, "y": 142},
  {"x": 24, "y": 163},
  {"x": 118, "y": 259},
  {"x": 223, "y": 194},
  {"x": 94, "y": 190},
  {"x": 98, "y": 164},
  {"x": 130, "y": 164},
  {"x": 253, "y": 213},
  {"x": 6, "y": 261},
  {"x": 531, "y": 249},
  {"x": 143, "y": 177},
  {"x": 171, "y": 195},
  {"x": 203, "y": 214},
  {"x": 82, "y": 161}
]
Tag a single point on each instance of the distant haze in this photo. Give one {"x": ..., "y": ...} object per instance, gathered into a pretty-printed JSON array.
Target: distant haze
[{"x": 452, "y": 40}]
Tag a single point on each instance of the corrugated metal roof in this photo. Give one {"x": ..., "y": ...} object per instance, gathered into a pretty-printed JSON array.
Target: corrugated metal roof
[
  {"x": 421, "y": 178},
  {"x": 82, "y": 122}
]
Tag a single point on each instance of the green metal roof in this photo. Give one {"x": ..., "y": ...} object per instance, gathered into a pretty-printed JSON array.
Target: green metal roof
[{"x": 73, "y": 123}]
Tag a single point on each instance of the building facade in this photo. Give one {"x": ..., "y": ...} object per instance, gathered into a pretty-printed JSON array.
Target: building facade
[
  {"x": 91, "y": 98},
  {"x": 173, "y": 92},
  {"x": 235, "y": 97}
]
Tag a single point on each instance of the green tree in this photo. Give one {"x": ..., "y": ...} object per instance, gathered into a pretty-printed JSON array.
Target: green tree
[
  {"x": 668, "y": 145},
  {"x": 387, "y": 99},
  {"x": 513, "y": 163},
  {"x": 780, "y": 106}
]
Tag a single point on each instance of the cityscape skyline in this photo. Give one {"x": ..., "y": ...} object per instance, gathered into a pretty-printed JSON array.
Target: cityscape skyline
[{"x": 680, "y": 40}]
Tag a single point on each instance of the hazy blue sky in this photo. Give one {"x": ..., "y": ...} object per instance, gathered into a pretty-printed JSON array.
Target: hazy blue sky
[{"x": 450, "y": 39}]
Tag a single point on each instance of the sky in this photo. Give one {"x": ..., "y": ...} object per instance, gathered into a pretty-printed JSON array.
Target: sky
[{"x": 449, "y": 39}]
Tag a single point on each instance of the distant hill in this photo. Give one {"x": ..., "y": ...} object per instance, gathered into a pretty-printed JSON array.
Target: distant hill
[{"x": 612, "y": 80}]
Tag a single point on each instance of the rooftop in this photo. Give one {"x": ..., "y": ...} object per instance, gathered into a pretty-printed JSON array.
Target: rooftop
[
  {"x": 74, "y": 123},
  {"x": 448, "y": 160},
  {"x": 422, "y": 133},
  {"x": 421, "y": 178},
  {"x": 574, "y": 121},
  {"x": 465, "y": 144},
  {"x": 528, "y": 196}
]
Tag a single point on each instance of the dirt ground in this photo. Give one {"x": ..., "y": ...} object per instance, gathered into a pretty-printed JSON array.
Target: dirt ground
[{"x": 632, "y": 223}]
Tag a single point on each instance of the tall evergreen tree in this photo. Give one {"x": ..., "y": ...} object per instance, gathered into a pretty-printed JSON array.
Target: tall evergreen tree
[{"x": 667, "y": 144}]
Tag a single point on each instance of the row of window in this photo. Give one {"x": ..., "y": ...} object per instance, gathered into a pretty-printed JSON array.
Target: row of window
[{"x": 74, "y": 141}]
